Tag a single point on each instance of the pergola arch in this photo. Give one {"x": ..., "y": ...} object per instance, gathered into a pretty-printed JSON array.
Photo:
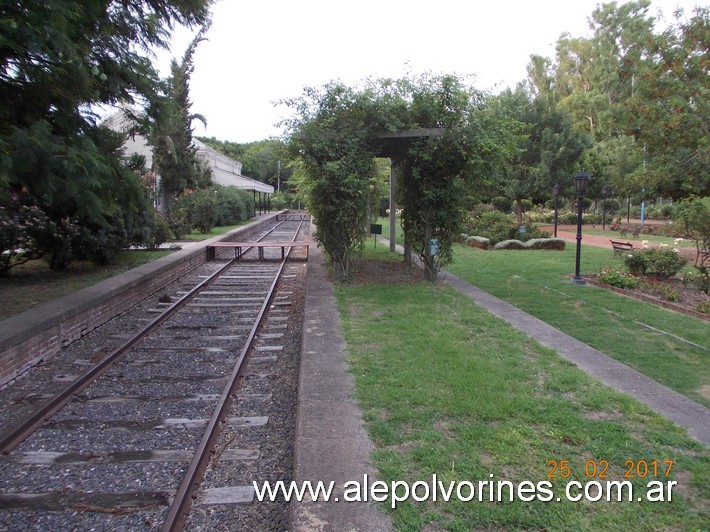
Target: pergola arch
[{"x": 393, "y": 145}]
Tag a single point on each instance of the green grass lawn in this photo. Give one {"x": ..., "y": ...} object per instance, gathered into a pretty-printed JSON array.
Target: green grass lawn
[
  {"x": 448, "y": 389},
  {"x": 538, "y": 282},
  {"x": 196, "y": 235}
]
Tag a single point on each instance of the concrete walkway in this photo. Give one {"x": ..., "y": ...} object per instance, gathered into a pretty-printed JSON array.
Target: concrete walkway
[{"x": 331, "y": 441}]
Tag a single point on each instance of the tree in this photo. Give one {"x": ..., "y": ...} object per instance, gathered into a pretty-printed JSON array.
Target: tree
[
  {"x": 338, "y": 132},
  {"x": 168, "y": 127},
  {"x": 548, "y": 148},
  {"x": 59, "y": 59},
  {"x": 437, "y": 171},
  {"x": 642, "y": 96},
  {"x": 333, "y": 140},
  {"x": 693, "y": 216}
]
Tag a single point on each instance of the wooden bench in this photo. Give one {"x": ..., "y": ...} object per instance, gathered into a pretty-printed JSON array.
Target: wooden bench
[
  {"x": 635, "y": 231},
  {"x": 240, "y": 246},
  {"x": 621, "y": 248}
]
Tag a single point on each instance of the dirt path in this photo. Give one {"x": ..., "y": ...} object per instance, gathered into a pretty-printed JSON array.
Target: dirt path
[{"x": 568, "y": 233}]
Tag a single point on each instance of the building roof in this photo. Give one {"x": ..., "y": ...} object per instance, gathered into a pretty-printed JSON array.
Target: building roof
[{"x": 225, "y": 171}]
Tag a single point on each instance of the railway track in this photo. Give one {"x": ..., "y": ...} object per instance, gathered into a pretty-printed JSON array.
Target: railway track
[{"x": 126, "y": 443}]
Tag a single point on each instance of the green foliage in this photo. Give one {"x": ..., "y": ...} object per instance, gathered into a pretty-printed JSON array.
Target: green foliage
[
  {"x": 503, "y": 204},
  {"x": 642, "y": 96},
  {"x": 550, "y": 148},
  {"x": 693, "y": 220},
  {"x": 614, "y": 277},
  {"x": 179, "y": 218},
  {"x": 556, "y": 244},
  {"x": 497, "y": 226},
  {"x": 233, "y": 205},
  {"x": 334, "y": 141},
  {"x": 662, "y": 262},
  {"x": 337, "y": 136},
  {"x": 637, "y": 262},
  {"x": 17, "y": 224},
  {"x": 493, "y": 224},
  {"x": 703, "y": 307},
  {"x": 479, "y": 242},
  {"x": 202, "y": 203},
  {"x": 59, "y": 59},
  {"x": 282, "y": 200},
  {"x": 167, "y": 124},
  {"x": 510, "y": 244}
]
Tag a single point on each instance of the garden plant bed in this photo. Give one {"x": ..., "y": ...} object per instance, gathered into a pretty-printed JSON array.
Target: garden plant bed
[{"x": 652, "y": 291}]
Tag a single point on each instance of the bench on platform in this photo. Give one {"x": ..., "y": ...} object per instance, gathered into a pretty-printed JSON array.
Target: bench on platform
[
  {"x": 621, "y": 248},
  {"x": 239, "y": 247}
]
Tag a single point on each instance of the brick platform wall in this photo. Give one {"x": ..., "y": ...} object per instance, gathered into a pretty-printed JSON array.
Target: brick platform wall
[{"x": 39, "y": 333}]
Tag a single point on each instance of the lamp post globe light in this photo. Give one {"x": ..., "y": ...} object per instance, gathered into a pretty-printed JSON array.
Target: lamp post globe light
[
  {"x": 605, "y": 193},
  {"x": 581, "y": 182},
  {"x": 556, "y": 192}
]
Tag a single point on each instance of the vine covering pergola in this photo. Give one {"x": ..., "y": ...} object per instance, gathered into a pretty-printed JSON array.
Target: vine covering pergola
[{"x": 430, "y": 130}]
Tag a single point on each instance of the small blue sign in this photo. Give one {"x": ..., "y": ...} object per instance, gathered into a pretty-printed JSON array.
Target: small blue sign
[{"x": 433, "y": 247}]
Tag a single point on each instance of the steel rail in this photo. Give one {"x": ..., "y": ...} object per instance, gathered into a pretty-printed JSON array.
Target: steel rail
[
  {"x": 16, "y": 435},
  {"x": 179, "y": 509}
]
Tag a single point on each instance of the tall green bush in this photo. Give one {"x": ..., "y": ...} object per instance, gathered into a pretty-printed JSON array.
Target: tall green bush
[{"x": 662, "y": 262}]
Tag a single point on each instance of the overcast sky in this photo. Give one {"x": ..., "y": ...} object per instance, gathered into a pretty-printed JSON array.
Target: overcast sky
[{"x": 261, "y": 51}]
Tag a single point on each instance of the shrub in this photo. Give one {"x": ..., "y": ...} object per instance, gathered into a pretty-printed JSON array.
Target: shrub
[
  {"x": 179, "y": 221},
  {"x": 502, "y": 204},
  {"x": 16, "y": 226},
  {"x": 664, "y": 262},
  {"x": 509, "y": 244},
  {"x": 670, "y": 294},
  {"x": 478, "y": 242},
  {"x": 494, "y": 225},
  {"x": 703, "y": 306},
  {"x": 233, "y": 205},
  {"x": 546, "y": 216},
  {"x": 556, "y": 244},
  {"x": 637, "y": 262},
  {"x": 617, "y": 278}
]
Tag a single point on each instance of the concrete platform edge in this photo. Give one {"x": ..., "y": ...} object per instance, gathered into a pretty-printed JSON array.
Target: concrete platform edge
[{"x": 331, "y": 441}]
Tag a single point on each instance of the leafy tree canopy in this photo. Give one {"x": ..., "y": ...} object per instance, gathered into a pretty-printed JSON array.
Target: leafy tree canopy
[{"x": 59, "y": 59}]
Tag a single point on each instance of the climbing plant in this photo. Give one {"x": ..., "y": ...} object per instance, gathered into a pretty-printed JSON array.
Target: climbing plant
[
  {"x": 333, "y": 141},
  {"x": 337, "y": 133}
]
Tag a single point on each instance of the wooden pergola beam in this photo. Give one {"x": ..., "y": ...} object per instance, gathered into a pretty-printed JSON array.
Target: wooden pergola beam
[{"x": 394, "y": 145}]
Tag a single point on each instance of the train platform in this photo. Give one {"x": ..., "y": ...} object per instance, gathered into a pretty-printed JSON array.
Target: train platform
[{"x": 332, "y": 444}]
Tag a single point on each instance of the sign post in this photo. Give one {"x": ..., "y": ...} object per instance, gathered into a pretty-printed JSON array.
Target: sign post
[
  {"x": 433, "y": 251},
  {"x": 375, "y": 229}
]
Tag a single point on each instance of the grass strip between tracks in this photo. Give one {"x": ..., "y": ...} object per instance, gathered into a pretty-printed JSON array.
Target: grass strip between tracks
[{"x": 447, "y": 389}]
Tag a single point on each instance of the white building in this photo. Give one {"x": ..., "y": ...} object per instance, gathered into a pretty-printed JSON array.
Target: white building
[{"x": 225, "y": 171}]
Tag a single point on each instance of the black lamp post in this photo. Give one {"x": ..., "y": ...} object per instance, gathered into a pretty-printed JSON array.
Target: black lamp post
[
  {"x": 556, "y": 192},
  {"x": 581, "y": 181},
  {"x": 605, "y": 193}
]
